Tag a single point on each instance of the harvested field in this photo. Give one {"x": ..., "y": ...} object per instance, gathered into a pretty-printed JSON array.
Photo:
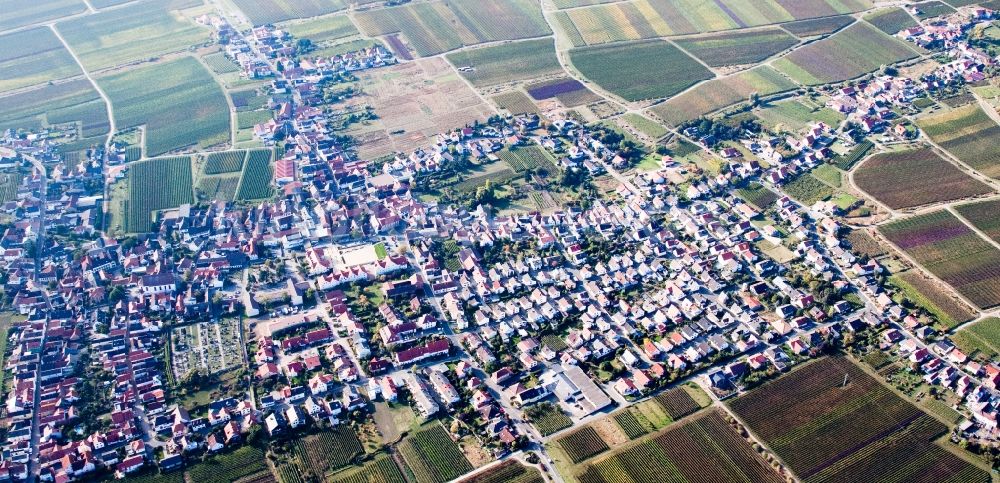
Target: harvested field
[
  {"x": 706, "y": 449},
  {"x": 516, "y": 102},
  {"x": 981, "y": 338},
  {"x": 18, "y": 13},
  {"x": 33, "y": 57},
  {"x": 131, "y": 33},
  {"x": 906, "y": 179},
  {"x": 738, "y": 48},
  {"x": 827, "y": 431},
  {"x": 850, "y": 53},
  {"x": 492, "y": 65},
  {"x": 433, "y": 456},
  {"x": 818, "y": 26},
  {"x": 891, "y": 20},
  {"x": 148, "y": 193},
  {"x": 569, "y": 92},
  {"x": 969, "y": 134},
  {"x": 178, "y": 101},
  {"x": 722, "y": 92},
  {"x": 639, "y": 70},
  {"x": 985, "y": 216},
  {"x": 937, "y": 300},
  {"x": 953, "y": 252}
]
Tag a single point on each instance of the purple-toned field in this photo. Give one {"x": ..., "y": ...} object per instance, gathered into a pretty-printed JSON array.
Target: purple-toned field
[
  {"x": 570, "y": 92},
  {"x": 905, "y": 179},
  {"x": 953, "y": 252}
]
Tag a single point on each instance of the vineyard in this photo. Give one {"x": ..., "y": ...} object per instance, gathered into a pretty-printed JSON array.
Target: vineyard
[
  {"x": 825, "y": 430},
  {"x": 738, "y": 48},
  {"x": 491, "y": 65},
  {"x": 516, "y": 102},
  {"x": 852, "y": 52},
  {"x": 548, "y": 418},
  {"x": 8, "y": 186},
  {"x": 582, "y": 444},
  {"x": 224, "y": 162},
  {"x": 380, "y": 470},
  {"x": 509, "y": 471},
  {"x": 722, "y": 92},
  {"x": 289, "y": 473},
  {"x": 757, "y": 195},
  {"x": 257, "y": 175},
  {"x": 953, "y": 252},
  {"x": 221, "y": 188},
  {"x": 808, "y": 190},
  {"x": 74, "y": 100},
  {"x": 969, "y": 134},
  {"x": 631, "y": 424},
  {"x": 932, "y": 297},
  {"x": 818, "y": 26},
  {"x": 529, "y": 158},
  {"x": 678, "y": 403},
  {"x": 906, "y": 179},
  {"x": 569, "y": 92},
  {"x": 891, "y": 20},
  {"x": 706, "y": 449},
  {"x": 639, "y": 70},
  {"x": 329, "y": 450},
  {"x": 985, "y": 216},
  {"x": 982, "y": 337},
  {"x": 147, "y": 191},
  {"x": 33, "y": 57},
  {"x": 433, "y": 456},
  {"x": 229, "y": 467},
  {"x": 847, "y": 161}
]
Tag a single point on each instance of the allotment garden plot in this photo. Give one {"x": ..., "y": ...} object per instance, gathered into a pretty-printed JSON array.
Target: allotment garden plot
[
  {"x": 209, "y": 347},
  {"x": 826, "y": 430},
  {"x": 969, "y": 134},
  {"x": 905, "y": 179},
  {"x": 950, "y": 250}
]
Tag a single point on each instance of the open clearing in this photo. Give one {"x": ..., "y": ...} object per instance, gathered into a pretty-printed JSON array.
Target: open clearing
[
  {"x": 826, "y": 431},
  {"x": 905, "y": 179},
  {"x": 33, "y": 57},
  {"x": 495, "y": 64},
  {"x": 723, "y": 92},
  {"x": 179, "y": 103},
  {"x": 953, "y": 252},
  {"x": 132, "y": 33},
  {"x": 969, "y": 134},
  {"x": 850, "y": 53},
  {"x": 639, "y": 70}
]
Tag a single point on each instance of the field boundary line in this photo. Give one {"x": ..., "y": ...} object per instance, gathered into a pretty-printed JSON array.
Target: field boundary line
[{"x": 107, "y": 100}]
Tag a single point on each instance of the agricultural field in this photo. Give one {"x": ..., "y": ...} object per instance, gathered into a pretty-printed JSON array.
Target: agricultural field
[
  {"x": 828, "y": 174},
  {"x": 808, "y": 190},
  {"x": 847, "y": 161},
  {"x": 569, "y": 92},
  {"x": 818, "y": 26},
  {"x": 906, "y": 179},
  {"x": 935, "y": 299},
  {"x": 645, "y": 125},
  {"x": 323, "y": 29},
  {"x": 273, "y": 11},
  {"x": 437, "y": 27},
  {"x": 825, "y": 430},
  {"x": 492, "y": 65},
  {"x": 249, "y": 119},
  {"x": 33, "y": 57},
  {"x": 379, "y": 470},
  {"x": 582, "y": 444},
  {"x": 8, "y": 186},
  {"x": 643, "y": 418},
  {"x": 255, "y": 184},
  {"x": 758, "y": 195},
  {"x": 71, "y": 101},
  {"x": 891, "y": 20},
  {"x": 510, "y": 471},
  {"x": 548, "y": 418},
  {"x": 248, "y": 100},
  {"x": 228, "y": 467},
  {"x": 329, "y": 450},
  {"x": 677, "y": 402},
  {"x": 18, "y": 13},
  {"x": 433, "y": 456},
  {"x": 985, "y": 216},
  {"x": 516, "y": 102},
  {"x": 864, "y": 244},
  {"x": 981, "y": 338},
  {"x": 178, "y": 101},
  {"x": 224, "y": 162},
  {"x": 148, "y": 193},
  {"x": 705, "y": 449},
  {"x": 850, "y": 53},
  {"x": 949, "y": 249},
  {"x": 220, "y": 64},
  {"x": 932, "y": 8},
  {"x": 529, "y": 158},
  {"x": 723, "y": 92},
  {"x": 796, "y": 114},
  {"x": 218, "y": 187},
  {"x": 639, "y": 70},
  {"x": 131, "y": 33},
  {"x": 969, "y": 134},
  {"x": 738, "y": 48}
]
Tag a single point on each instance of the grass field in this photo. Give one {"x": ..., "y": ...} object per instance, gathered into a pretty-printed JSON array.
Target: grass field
[
  {"x": 433, "y": 456},
  {"x": 953, "y": 252},
  {"x": 797, "y": 114},
  {"x": 982, "y": 337},
  {"x": 178, "y": 101},
  {"x": 492, "y": 65},
  {"x": 74, "y": 100},
  {"x": 436, "y": 27},
  {"x": 705, "y": 449},
  {"x": 905, "y": 179},
  {"x": 891, "y": 20},
  {"x": 826, "y": 431},
  {"x": 968, "y": 133},
  {"x": 937, "y": 301},
  {"x": 147, "y": 191},
  {"x": 737, "y": 48},
  {"x": 33, "y": 57},
  {"x": 255, "y": 183},
  {"x": 984, "y": 215},
  {"x": 850, "y": 53},
  {"x": 18, "y": 13},
  {"x": 723, "y": 92},
  {"x": 639, "y": 70},
  {"x": 131, "y": 33}
]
